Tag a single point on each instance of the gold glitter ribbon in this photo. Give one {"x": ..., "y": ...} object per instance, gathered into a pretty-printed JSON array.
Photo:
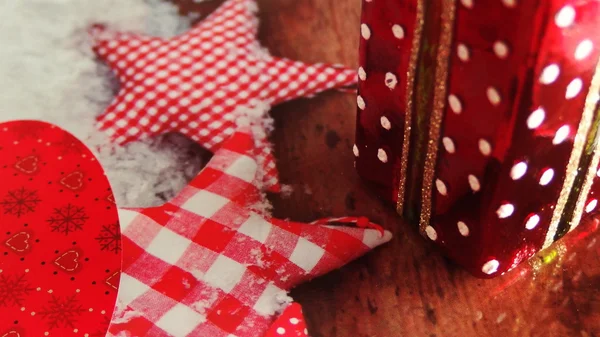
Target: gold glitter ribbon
[
  {"x": 591, "y": 103},
  {"x": 439, "y": 104},
  {"x": 573, "y": 167},
  {"x": 410, "y": 84}
]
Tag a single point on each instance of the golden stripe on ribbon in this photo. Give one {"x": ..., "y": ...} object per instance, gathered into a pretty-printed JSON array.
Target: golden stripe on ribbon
[
  {"x": 439, "y": 104},
  {"x": 591, "y": 104},
  {"x": 574, "y": 162},
  {"x": 410, "y": 84}
]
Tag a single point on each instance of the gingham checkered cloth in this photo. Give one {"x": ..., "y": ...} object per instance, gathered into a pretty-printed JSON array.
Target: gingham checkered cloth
[
  {"x": 206, "y": 265},
  {"x": 195, "y": 83}
]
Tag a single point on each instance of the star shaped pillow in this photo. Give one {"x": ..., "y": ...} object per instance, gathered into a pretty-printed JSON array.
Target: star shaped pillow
[
  {"x": 205, "y": 264},
  {"x": 199, "y": 82}
]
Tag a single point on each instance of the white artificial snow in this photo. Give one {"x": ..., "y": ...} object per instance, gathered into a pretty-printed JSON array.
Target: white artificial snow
[{"x": 48, "y": 72}]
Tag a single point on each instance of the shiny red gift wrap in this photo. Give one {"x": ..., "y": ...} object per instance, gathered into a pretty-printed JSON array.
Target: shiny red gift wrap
[{"x": 478, "y": 121}]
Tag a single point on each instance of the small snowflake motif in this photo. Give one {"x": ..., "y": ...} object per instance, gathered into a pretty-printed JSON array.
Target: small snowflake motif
[
  {"x": 20, "y": 202},
  {"x": 13, "y": 290},
  {"x": 62, "y": 312},
  {"x": 102, "y": 332},
  {"x": 110, "y": 238},
  {"x": 67, "y": 219}
]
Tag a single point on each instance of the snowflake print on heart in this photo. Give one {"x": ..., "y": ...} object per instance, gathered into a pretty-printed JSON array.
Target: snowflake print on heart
[
  {"x": 60, "y": 252},
  {"x": 199, "y": 82}
]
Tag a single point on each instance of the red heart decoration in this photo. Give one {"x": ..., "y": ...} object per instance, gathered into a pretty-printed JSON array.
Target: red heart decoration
[
  {"x": 19, "y": 242},
  {"x": 28, "y": 164},
  {"x": 60, "y": 235},
  {"x": 73, "y": 181},
  {"x": 113, "y": 280},
  {"x": 12, "y": 333},
  {"x": 68, "y": 261}
]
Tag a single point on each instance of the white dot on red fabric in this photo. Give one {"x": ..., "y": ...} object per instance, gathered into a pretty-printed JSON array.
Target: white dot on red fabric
[
  {"x": 565, "y": 16},
  {"x": 550, "y": 74},
  {"x": 355, "y": 150},
  {"x": 449, "y": 144},
  {"x": 294, "y": 320},
  {"x": 382, "y": 156},
  {"x": 391, "y": 80},
  {"x": 385, "y": 123},
  {"x": 518, "y": 170},
  {"x": 574, "y": 88},
  {"x": 490, "y": 267},
  {"x": 455, "y": 104},
  {"x": 505, "y": 210},
  {"x": 501, "y": 49},
  {"x": 441, "y": 187},
  {"x": 463, "y": 229},
  {"x": 431, "y": 233},
  {"x": 546, "y": 177},
  {"x": 509, "y": 3},
  {"x": 536, "y": 118},
  {"x": 361, "y": 102},
  {"x": 584, "y": 49},
  {"x": 493, "y": 96},
  {"x": 398, "y": 31},
  {"x": 474, "y": 183},
  {"x": 463, "y": 52},
  {"x": 365, "y": 31},
  {"x": 561, "y": 134},
  {"x": 467, "y": 3},
  {"x": 532, "y": 221},
  {"x": 485, "y": 147},
  {"x": 591, "y": 206}
]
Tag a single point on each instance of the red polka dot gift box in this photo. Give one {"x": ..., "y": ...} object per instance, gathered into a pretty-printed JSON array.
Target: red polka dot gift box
[{"x": 478, "y": 120}]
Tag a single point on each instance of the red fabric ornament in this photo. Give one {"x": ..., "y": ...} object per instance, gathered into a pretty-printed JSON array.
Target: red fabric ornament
[
  {"x": 481, "y": 123},
  {"x": 290, "y": 324},
  {"x": 61, "y": 244},
  {"x": 197, "y": 83},
  {"x": 205, "y": 264}
]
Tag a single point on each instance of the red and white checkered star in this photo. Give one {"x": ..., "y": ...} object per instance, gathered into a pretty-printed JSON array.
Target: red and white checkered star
[
  {"x": 206, "y": 265},
  {"x": 195, "y": 83}
]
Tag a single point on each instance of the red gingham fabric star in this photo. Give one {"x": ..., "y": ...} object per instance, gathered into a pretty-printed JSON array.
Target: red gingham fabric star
[
  {"x": 206, "y": 265},
  {"x": 195, "y": 83}
]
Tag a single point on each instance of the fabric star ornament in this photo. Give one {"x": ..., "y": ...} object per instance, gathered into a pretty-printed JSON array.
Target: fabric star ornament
[
  {"x": 196, "y": 83},
  {"x": 206, "y": 265}
]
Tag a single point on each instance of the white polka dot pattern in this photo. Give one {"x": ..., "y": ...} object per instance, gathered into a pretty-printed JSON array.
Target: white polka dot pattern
[
  {"x": 197, "y": 82},
  {"x": 502, "y": 123}
]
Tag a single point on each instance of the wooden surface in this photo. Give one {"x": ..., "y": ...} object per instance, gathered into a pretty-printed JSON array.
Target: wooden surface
[{"x": 405, "y": 288}]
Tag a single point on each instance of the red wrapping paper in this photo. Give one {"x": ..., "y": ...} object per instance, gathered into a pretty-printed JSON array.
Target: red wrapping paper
[{"x": 478, "y": 121}]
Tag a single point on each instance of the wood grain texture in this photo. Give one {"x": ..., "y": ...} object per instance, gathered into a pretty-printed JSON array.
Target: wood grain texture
[{"x": 405, "y": 288}]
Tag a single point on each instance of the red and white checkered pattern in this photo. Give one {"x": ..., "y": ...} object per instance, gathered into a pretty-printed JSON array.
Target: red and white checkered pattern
[
  {"x": 206, "y": 265},
  {"x": 196, "y": 83}
]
